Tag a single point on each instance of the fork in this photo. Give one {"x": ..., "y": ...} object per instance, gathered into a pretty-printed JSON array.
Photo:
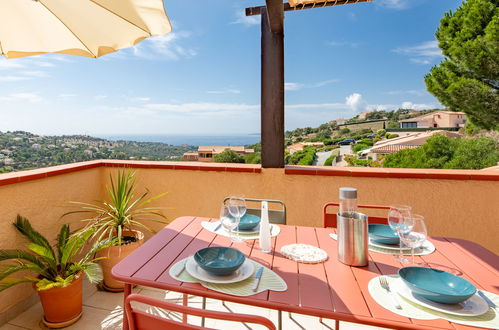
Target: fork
[{"x": 386, "y": 286}]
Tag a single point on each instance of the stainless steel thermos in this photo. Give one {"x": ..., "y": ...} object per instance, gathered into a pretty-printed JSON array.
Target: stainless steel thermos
[{"x": 352, "y": 230}]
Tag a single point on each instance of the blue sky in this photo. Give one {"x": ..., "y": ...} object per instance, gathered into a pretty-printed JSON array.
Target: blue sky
[{"x": 204, "y": 77}]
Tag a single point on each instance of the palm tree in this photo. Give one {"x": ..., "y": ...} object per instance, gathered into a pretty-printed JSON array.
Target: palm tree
[{"x": 54, "y": 266}]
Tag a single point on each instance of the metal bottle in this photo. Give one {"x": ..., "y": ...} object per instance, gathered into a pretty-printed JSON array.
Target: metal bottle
[{"x": 352, "y": 230}]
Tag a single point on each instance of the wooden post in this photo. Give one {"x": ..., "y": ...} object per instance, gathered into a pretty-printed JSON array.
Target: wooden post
[{"x": 272, "y": 97}]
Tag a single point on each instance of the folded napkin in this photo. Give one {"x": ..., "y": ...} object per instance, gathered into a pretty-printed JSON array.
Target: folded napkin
[
  {"x": 269, "y": 281},
  {"x": 489, "y": 320}
]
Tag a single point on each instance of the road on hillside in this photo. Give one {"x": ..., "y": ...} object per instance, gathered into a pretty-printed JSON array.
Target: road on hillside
[{"x": 321, "y": 157}]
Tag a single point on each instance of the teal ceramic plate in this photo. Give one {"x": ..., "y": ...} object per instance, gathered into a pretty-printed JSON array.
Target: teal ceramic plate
[
  {"x": 219, "y": 260},
  {"x": 248, "y": 222},
  {"x": 473, "y": 306},
  {"x": 383, "y": 234},
  {"x": 437, "y": 285}
]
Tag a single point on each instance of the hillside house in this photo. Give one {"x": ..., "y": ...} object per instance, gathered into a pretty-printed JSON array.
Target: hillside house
[{"x": 443, "y": 119}]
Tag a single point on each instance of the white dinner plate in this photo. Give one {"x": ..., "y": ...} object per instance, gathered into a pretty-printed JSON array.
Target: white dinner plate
[
  {"x": 245, "y": 271},
  {"x": 388, "y": 246},
  {"x": 473, "y": 306}
]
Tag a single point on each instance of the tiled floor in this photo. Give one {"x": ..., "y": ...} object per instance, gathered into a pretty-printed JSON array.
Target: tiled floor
[{"x": 103, "y": 310}]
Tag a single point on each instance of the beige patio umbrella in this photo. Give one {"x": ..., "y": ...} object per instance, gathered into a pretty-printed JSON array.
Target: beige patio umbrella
[{"x": 90, "y": 28}]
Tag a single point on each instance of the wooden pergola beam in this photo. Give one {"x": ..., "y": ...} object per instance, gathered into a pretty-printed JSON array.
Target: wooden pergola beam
[
  {"x": 272, "y": 83},
  {"x": 251, "y": 11},
  {"x": 275, "y": 15},
  {"x": 272, "y": 87}
]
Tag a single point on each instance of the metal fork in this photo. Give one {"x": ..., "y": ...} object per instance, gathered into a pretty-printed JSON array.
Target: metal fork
[{"x": 384, "y": 284}]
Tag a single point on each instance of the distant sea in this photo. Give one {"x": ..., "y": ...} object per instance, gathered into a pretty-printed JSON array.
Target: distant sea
[{"x": 192, "y": 140}]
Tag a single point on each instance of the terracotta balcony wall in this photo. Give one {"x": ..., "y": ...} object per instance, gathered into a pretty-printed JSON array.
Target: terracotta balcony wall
[{"x": 455, "y": 203}]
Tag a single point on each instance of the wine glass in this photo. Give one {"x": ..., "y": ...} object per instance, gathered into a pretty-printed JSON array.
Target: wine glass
[
  {"x": 228, "y": 221},
  {"x": 237, "y": 208},
  {"x": 416, "y": 236},
  {"x": 399, "y": 219}
]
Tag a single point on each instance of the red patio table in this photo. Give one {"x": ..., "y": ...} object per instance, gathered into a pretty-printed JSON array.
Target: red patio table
[{"x": 329, "y": 290}]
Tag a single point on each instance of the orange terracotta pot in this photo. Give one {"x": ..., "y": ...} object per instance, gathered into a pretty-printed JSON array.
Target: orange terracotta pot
[
  {"x": 113, "y": 255},
  {"x": 62, "y": 306}
]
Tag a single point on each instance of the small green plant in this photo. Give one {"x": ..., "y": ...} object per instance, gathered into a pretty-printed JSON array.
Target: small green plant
[
  {"x": 121, "y": 213},
  {"x": 228, "y": 156},
  {"x": 54, "y": 267}
]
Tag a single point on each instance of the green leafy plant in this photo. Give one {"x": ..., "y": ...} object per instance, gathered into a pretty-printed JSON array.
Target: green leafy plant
[
  {"x": 228, "y": 156},
  {"x": 466, "y": 80},
  {"x": 121, "y": 213},
  {"x": 55, "y": 266}
]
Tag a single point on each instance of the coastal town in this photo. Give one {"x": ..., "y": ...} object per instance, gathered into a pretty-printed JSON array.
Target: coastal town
[{"x": 364, "y": 140}]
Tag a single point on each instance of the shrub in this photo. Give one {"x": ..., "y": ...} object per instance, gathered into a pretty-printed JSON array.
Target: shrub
[
  {"x": 329, "y": 161},
  {"x": 391, "y": 136},
  {"x": 228, "y": 156},
  {"x": 254, "y": 158},
  {"x": 354, "y": 161},
  {"x": 359, "y": 146},
  {"x": 475, "y": 154},
  {"x": 344, "y": 131},
  {"x": 368, "y": 142},
  {"x": 381, "y": 132},
  {"x": 441, "y": 151},
  {"x": 303, "y": 157}
]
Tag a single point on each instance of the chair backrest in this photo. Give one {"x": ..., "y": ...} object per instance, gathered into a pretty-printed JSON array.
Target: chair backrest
[
  {"x": 277, "y": 209},
  {"x": 138, "y": 319},
  {"x": 329, "y": 219}
]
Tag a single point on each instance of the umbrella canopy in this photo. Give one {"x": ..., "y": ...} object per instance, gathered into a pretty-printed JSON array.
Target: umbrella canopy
[{"x": 90, "y": 28}]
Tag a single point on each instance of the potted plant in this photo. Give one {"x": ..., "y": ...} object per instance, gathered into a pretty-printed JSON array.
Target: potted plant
[
  {"x": 59, "y": 271},
  {"x": 118, "y": 220}
]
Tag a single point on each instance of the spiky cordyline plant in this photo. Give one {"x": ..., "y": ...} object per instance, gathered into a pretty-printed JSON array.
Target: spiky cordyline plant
[
  {"x": 122, "y": 212},
  {"x": 55, "y": 267}
]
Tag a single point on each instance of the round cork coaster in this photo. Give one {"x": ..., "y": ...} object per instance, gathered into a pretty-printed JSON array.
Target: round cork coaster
[{"x": 304, "y": 253}]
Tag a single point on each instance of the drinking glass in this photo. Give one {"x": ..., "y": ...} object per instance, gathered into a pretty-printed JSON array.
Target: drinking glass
[
  {"x": 228, "y": 221},
  {"x": 400, "y": 221},
  {"x": 237, "y": 208},
  {"x": 416, "y": 236}
]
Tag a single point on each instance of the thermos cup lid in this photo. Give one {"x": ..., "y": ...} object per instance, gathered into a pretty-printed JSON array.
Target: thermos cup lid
[{"x": 348, "y": 193}]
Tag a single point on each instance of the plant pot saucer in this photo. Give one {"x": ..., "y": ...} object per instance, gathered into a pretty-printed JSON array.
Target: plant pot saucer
[
  {"x": 58, "y": 325},
  {"x": 110, "y": 289}
]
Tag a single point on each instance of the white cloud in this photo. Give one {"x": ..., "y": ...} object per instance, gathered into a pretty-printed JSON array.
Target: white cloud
[
  {"x": 29, "y": 97},
  {"x": 428, "y": 49},
  {"x": 21, "y": 70},
  {"x": 43, "y": 64},
  {"x": 324, "y": 106},
  {"x": 13, "y": 78},
  {"x": 343, "y": 44},
  {"x": 424, "y": 53},
  {"x": 100, "y": 97},
  {"x": 165, "y": 47},
  {"x": 417, "y": 106},
  {"x": 355, "y": 102},
  {"x": 292, "y": 86},
  {"x": 140, "y": 99},
  {"x": 67, "y": 96},
  {"x": 10, "y": 64},
  {"x": 203, "y": 107},
  {"x": 241, "y": 18},
  {"x": 420, "y": 61},
  {"x": 35, "y": 74},
  {"x": 401, "y": 92},
  {"x": 225, "y": 91},
  {"x": 394, "y": 4}
]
